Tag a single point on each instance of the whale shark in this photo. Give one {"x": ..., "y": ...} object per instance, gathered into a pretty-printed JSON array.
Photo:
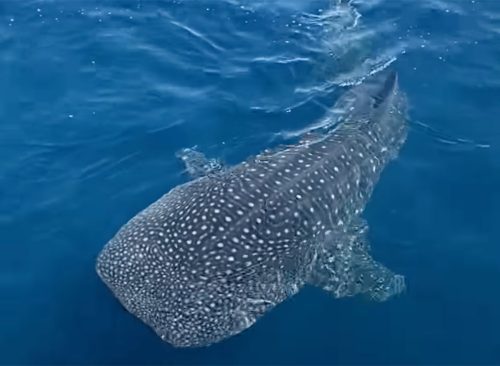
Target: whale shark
[{"x": 213, "y": 255}]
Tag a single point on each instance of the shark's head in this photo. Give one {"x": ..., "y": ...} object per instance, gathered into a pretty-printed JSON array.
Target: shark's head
[{"x": 155, "y": 266}]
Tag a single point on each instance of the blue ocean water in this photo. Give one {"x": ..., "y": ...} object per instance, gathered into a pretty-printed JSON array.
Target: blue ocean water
[{"x": 96, "y": 97}]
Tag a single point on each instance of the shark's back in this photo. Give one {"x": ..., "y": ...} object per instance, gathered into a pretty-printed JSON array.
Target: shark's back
[{"x": 211, "y": 256}]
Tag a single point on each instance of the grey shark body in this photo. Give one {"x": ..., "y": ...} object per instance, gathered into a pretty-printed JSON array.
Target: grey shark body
[{"x": 210, "y": 257}]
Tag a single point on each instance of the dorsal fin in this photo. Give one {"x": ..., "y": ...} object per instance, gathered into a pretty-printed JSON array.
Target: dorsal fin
[{"x": 386, "y": 90}]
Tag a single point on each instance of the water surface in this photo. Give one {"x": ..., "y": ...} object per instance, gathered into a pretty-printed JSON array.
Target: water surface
[{"x": 97, "y": 97}]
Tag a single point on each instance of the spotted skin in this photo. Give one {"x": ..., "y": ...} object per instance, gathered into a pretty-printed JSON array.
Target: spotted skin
[{"x": 210, "y": 257}]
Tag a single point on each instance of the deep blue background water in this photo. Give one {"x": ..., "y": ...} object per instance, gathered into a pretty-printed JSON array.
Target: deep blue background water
[{"x": 96, "y": 97}]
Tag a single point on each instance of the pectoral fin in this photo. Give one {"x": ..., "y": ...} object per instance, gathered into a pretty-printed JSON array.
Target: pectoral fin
[
  {"x": 197, "y": 164},
  {"x": 345, "y": 268}
]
